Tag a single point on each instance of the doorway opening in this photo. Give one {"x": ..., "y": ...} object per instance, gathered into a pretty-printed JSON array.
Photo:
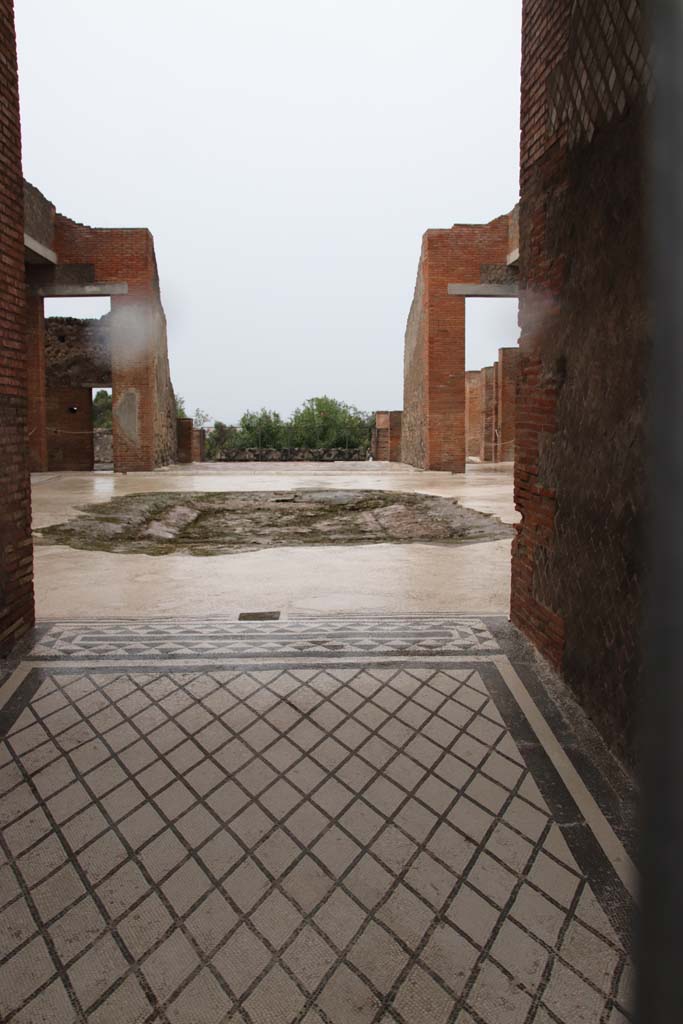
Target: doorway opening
[
  {"x": 77, "y": 367},
  {"x": 103, "y": 436},
  {"x": 491, "y": 368}
]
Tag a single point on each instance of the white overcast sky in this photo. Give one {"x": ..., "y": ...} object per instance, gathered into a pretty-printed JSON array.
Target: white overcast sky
[{"x": 287, "y": 156}]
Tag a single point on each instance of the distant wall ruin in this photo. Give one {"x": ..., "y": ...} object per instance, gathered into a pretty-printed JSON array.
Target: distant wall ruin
[
  {"x": 126, "y": 350},
  {"x": 490, "y": 409},
  {"x": 385, "y": 443},
  {"x": 459, "y": 262}
]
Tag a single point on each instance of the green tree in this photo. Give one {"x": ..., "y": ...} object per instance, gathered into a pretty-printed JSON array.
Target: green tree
[
  {"x": 264, "y": 429},
  {"x": 101, "y": 410},
  {"x": 319, "y": 423},
  {"x": 327, "y": 423},
  {"x": 180, "y": 408},
  {"x": 219, "y": 439}
]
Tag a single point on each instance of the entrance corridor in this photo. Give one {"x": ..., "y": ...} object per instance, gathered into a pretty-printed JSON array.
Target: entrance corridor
[{"x": 336, "y": 819}]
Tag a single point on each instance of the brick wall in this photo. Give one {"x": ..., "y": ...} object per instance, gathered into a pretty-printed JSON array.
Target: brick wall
[
  {"x": 198, "y": 445},
  {"x": 380, "y": 449},
  {"x": 506, "y": 399},
  {"x": 434, "y": 435},
  {"x": 577, "y": 558},
  {"x": 16, "y": 552},
  {"x": 395, "y": 435},
  {"x": 39, "y": 216},
  {"x": 35, "y": 370},
  {"x": 184, "y": 426},
  {"x": 385, "y": 443},
  {"x": 473, "y": 412},
  {"x": 487, "y": 406},
  {"x": 143, "y": 402},
  {"x": 70, "y": 445}
]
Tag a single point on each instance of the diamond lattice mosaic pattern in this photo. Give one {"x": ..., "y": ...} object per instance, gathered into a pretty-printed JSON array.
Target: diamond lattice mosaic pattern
[{"x": 333, "y": 844}]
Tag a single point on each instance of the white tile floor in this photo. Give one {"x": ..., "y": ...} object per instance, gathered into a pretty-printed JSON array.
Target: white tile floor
[{"x": 286, "y": 832}]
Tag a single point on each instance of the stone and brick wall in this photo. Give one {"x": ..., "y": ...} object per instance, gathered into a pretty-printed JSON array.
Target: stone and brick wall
[
  {"x": 16, "y": 552},
  {"x": 434, "y": 431},
  {"x": 577, "y": 559}
]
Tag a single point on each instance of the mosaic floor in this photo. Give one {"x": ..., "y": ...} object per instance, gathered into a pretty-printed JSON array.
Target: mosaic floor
[{"x": 340, "y": 821}]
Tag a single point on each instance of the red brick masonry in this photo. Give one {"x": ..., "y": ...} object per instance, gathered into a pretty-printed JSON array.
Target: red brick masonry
[
  {"x": 386, "y": 436},
  {"x": 16, "y": 551},
  {"x": 434, "y": 430}
]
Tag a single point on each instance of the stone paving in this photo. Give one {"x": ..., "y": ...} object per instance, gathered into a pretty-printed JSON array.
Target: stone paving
[{"x": 339, "y": 821}]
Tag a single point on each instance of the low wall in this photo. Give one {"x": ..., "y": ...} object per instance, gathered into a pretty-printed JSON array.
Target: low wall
[
  {"x": 293, "y": 455},
  {"x": 104, "y": 446}
]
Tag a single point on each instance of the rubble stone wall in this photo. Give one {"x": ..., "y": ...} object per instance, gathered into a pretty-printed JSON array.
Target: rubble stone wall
[
  {"x": 78, "y": 352},
  {"x": 294, "y": 455},
  {"x": 104, "y": 446}
]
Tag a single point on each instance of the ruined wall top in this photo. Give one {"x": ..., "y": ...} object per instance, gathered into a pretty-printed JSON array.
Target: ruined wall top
[{"x": 39, "y": 216}]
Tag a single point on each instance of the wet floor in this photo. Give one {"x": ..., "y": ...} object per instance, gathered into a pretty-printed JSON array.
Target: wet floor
[{"x": 378, "y": 579}]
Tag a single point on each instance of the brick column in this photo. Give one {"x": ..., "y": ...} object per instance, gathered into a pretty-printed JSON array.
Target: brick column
[
  {"x": 198, "y": 445},
  {"x": 473, "y": 412},
  {"x": 35, "y": 365},
  {"x": 133, "y": 384},
  {"x": 382, "y": 427},
  {"x": 446, "y": 380},
  {"x": 487, "y": 451},
  {"x": 185, "y": 428},
  {"x": 508, "y": 366},
  {"x": 395, "y": 420}
]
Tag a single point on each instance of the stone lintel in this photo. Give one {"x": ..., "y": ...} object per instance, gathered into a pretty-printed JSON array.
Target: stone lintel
[
  {"x": 75, "y": 290},
  {"x": 484, "y": 291},
  {"x": 37, "y": 249}
]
